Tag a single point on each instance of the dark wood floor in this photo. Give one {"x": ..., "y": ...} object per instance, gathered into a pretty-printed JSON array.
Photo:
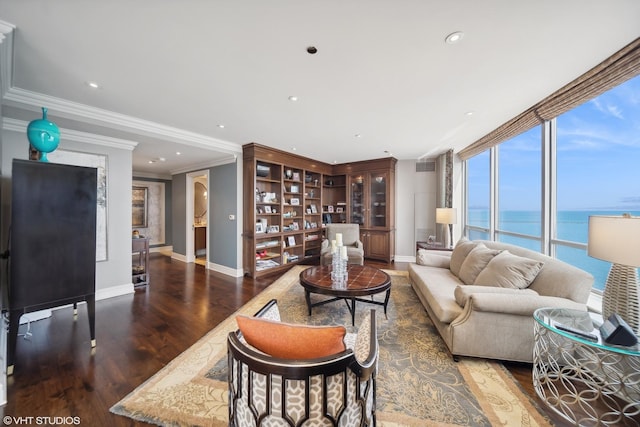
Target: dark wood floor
[{"x": 57, "y": 374}]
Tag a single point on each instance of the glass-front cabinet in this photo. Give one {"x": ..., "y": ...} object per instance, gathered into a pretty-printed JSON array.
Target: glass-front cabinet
[{"x": 369, "y": 194}]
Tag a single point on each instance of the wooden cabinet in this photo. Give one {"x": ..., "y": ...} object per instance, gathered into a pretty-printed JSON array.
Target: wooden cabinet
[
  {"x": 371, "y": 191},
  {"x": 283, "y": 201},
  {"x": 288, "y": 198}
]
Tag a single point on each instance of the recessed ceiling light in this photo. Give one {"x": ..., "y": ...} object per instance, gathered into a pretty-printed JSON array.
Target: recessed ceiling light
[
  {"x": 469, "y": 113},
  {"x": 454, "y": 37},
  {"x": 151, "y": 161},
  {"x": 293, "y": 98},
  {"x": 358, "y": 135},
  {"x": 162, "y": 159},
  {"x": 312, "y": 50},
  {"x": 293, "y": 148},
  {"x": 93, "y": 85},
  {"x": 178, "y": 153},
  {"x": 221, "y": 126}
]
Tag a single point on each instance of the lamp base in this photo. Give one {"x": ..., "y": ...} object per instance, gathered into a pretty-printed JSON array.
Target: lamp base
[{"x": 621, "y": 295}]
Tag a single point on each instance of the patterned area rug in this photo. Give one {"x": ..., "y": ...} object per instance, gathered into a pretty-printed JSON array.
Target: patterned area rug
[{"x": 418, "y": 382}]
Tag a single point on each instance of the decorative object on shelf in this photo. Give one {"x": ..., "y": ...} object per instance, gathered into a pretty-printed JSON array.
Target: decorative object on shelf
[
  {"x": 617, "y": 239},
  {"x": 43, "y": 135},
  {"x": 288, "y": 174},
  {"x": 447, "y": 216},
  {"x": 262, "y": 171}
]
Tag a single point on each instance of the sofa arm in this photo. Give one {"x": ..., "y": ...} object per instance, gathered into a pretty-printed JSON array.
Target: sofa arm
[
  {"x": 464, "y": 292},
  {"x": 523, "y": 305}
]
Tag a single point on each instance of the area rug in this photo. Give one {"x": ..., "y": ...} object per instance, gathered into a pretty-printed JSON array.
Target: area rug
[{"x": 418, "y": 382}]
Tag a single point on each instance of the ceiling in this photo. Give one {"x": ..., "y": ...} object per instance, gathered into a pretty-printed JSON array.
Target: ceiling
[{"x": 383, "y": 80}]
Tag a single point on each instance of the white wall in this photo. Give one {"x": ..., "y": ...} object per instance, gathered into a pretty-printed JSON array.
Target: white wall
[
  {"x": 415, "y": 208},
  {"x": 113, "y": 276}
]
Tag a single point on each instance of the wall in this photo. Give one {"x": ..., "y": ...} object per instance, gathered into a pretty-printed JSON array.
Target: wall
[
  {"x": 415, "y": 208},
  {"x": 113, "y": 276}
]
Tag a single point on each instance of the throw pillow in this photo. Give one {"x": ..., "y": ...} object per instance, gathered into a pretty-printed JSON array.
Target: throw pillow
[
  {"x": 507, "y": 270},
  {"x": 432, "y": 259},
  {"x": 289, "y": 341},
  {"x": 460, "y": 252},
  {"x": 475, "y": 262}
]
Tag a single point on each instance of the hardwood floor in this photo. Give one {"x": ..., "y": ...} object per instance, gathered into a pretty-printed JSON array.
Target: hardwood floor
[{"x": 58, "y": 375}]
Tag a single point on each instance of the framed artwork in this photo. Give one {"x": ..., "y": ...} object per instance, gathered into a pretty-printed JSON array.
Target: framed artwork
[
  {"x": 314, "y": 209},
  {"x": 273, "y": 229},
  {"x": 139, "y": 203},
  {"x": 291, "y": 241},
  {"x": 259, "y": 227},
  {"x": 295, "y": 201},
  {"x": 296, "y": 176},
  {"x": 295, "y": 189},
  {"x": 330, "y": 208},
  {"x": 267, "y": 209},
  {"x": 339, "y": 210}
]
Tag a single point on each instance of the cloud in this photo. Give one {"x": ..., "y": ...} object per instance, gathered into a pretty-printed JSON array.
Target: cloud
[{"x": 608, "y": 109}]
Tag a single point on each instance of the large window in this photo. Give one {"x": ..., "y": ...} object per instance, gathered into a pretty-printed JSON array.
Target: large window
[
  {"x": 519, "y": 190},
  {"x": 478, "y": 196},
  {"x": 596, "y": 148}
]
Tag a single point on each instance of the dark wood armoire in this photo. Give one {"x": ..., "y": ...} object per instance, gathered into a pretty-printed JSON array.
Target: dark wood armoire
[{"x": 52, "y": 258}]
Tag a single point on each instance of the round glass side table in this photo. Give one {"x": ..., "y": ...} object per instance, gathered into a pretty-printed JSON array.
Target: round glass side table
[{"x": 583, "y": 379}]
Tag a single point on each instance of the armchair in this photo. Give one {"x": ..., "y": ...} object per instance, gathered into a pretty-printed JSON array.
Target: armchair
[
  {"x": 333, "y": 390},
  {"x": 350, "y": 239}
]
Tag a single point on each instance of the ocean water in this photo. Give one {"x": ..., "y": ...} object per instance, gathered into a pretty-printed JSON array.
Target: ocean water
[{"x": 571, "y": 226}]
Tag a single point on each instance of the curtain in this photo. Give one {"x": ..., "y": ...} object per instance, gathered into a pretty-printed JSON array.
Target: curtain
[
  {"x": 444, "y": 190},
  {"x": 618, "y": 68}
]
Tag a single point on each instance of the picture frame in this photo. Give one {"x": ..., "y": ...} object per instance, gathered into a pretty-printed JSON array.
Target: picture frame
[
  {"x": 139, "y": 200},
  {"x": 295, "y": 188},
  {"x": 330, "y": 208},
  {"x": 267, "y": 209},
  {"x": 339, "y": 210},
  {"x": 314, "y": 209},
  {"x": 259, "y": 210},
  {"x": 308, "y": 210},
  {"x": 295, "y": 201},
  {"x": 296, "y": 176},
  {"x": 273, "y": 229},
  {"x": 260, "y": 227},
  {"x": 291, "y": 241},
  {"x": 295, "y": 225}
]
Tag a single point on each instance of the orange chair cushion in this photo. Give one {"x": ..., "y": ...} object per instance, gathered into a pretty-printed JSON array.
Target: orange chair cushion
[{"x": 288, "y": 341}]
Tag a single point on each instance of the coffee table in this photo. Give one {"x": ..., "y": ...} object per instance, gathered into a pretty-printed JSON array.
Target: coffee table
[{"x": 363, "y": 281}]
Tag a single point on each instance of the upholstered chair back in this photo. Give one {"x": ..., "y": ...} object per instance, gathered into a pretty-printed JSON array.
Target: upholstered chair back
[{"x": 337, "y": 390}]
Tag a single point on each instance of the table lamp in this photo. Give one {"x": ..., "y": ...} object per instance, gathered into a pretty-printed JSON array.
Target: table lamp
[
  {"x": 448, "y": 217},
  {"x": 617, "y": 239}
]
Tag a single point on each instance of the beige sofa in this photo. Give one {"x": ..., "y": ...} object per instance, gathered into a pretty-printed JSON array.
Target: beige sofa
[{"x": 490, "y": 317}]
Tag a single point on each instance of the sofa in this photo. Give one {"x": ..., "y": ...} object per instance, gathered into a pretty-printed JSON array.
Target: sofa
[{"x": 482, "y": 295}]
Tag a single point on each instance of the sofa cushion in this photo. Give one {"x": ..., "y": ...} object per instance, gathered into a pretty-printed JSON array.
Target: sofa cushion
[
  {"x": 463, "y": 293},
  {"x": 436, "y": 285},
  {"x": 432, "y": 259},
  {"x": 507, "y": 270},
  {"x": 289, "y": 341},
  {"x": 475, "y": 262},
  {"x": 460, "y": 252}
]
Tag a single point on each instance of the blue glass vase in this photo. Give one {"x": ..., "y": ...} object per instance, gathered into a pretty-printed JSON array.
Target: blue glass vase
[{"x": 43, "y": 135}]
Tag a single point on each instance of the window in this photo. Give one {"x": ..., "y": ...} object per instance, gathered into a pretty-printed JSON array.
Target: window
[
  {"x": 519, "y": 189},
  {"x": 478, "y": 197},
  {"x": 596, "y": 147}
]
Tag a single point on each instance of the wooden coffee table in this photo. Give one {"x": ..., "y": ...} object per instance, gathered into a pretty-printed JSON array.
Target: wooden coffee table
[{"x": 363, "y": 281}]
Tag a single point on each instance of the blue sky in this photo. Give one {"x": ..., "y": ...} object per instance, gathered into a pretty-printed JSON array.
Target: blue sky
[{"x": 598, "y": 158}]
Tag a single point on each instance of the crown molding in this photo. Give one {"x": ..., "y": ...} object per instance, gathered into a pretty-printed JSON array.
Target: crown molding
[
  {"x": 206, "y": 165},
  {"x": 84, "y": 113},
  {"x": 74, "y": 135},
  {"x": 6, "y": 56}
]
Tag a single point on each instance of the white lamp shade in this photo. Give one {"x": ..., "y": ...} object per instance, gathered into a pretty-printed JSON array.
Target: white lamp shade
[
  {"x": 615, "y": 239},
  {"x": 446, "y": 216}
]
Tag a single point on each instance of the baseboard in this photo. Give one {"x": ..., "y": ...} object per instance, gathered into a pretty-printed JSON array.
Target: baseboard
[
  {"x": 178, "y": 257},
  {"x": 233, "y": 272},
  {"x": 405, "y": 258},
  {"x": 114, "y": 291}
]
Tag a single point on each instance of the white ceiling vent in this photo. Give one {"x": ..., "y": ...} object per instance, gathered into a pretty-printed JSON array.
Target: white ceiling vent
[{"x": 426, "y": 166}]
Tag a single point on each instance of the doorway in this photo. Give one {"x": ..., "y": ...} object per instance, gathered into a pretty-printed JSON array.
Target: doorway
[{"x": 198, "y": 217}]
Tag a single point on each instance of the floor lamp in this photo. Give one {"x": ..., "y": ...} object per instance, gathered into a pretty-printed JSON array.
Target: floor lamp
[
  {"x": 617, "y": 239},
  {"x": 448, "y": 217}
]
